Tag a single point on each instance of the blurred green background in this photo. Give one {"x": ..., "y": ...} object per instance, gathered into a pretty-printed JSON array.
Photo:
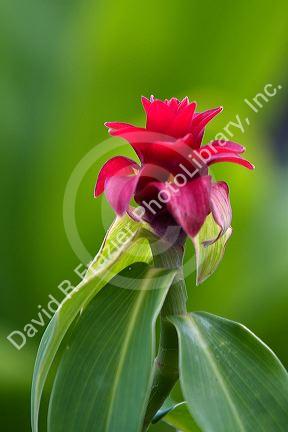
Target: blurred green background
[{"x": 66, "y": 67}]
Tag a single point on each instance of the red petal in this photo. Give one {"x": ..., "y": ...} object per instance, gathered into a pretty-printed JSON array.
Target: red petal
[
  {"x": 225, "y": 147},
  {"x": 119, "y": 125},
  {"x": 190, "y": 140},
  {"x": 168, "y": 155},
  {"x": 221, "y": 208},
  {"x": 116, "y": 129},
  {"x": 230, "y": 157},
  {"x": 149, "y": 175},
  {"x": 119, "y": 165},
  {"x": 148, "y": 192},
  {"x": 159, "y": 117},
  {"x": 199, "y": 122},
  {"x": 183, "y": 103},
  {"x": 146, "y": 103},
  {"x": 190, "y": 205},
  {"x": 182, "y": 123},
  {"x": 133, "y": 135},
  {"x": 173, "y": 103},
  {"x": 142, "y": 141},
  {"x": 119, "y": 191},
  {"x": 201, "y": 119}
]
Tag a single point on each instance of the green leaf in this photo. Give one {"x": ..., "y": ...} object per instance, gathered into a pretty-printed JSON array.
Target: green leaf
[
  {"x": 209, "y": 257},
  {"x": 114, "y": 255},
  {"x": 105, "y": 377},
  {"x": 176, "y": 414},
  {"x": 231, "y": 380}
]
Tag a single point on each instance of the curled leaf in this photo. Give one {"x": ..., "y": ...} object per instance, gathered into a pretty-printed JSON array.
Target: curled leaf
[{"x": 209, "y": 255}]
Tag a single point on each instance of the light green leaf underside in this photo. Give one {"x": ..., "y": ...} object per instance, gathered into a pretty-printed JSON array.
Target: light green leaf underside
[
  {"x": 176, "y": 414},
  {"x": 113, "y": 257},
  {"x": 209, "y": 257},
  {"x": 105, "y": 377},
  {"x": 231, "y": 380}
]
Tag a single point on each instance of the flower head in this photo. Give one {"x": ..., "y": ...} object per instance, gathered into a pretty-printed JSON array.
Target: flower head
[{"x": 171, "y": 184}]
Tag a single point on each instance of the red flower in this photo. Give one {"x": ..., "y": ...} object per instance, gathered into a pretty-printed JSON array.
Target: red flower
[{"x": 172, "y": 184}]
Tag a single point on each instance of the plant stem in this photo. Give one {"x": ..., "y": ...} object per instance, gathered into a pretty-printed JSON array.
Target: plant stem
[{"x": 166, "y": 371}]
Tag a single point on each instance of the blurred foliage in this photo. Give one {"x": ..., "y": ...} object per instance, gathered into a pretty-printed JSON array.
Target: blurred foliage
[{"x": 69, "y": 66}]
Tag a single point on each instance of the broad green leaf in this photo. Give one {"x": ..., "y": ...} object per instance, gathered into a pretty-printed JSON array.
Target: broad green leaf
[
  {"x": 231, "y": 380},
  {"x": 105, "y": 377},
  {"x": 176, "y": 414},
  {"x": 114, "y": 255},
  {"x": 208, "y": 257}
]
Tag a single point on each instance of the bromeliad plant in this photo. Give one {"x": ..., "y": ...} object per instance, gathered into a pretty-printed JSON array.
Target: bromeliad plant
[{"x": 110, "y": 378}]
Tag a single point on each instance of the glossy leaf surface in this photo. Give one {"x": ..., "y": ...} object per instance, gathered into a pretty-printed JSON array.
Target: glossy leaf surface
[
  {"x": 231, "y": 380},
  {"x": 105, "y": 377}
]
